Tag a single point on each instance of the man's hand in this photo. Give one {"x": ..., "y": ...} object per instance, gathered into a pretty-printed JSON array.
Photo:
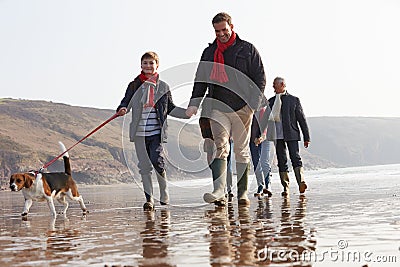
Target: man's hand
[
  {"x": 191, "y": 110},
  {"x": 121, "y": 112},
  {"x": 306, "y": 143},
  {"x": 260, "y": 139}
]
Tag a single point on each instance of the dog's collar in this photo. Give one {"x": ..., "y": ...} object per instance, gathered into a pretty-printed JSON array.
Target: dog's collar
[{"x": 35, "y": 173}]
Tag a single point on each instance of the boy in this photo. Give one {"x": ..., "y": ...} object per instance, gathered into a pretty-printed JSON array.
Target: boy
[{"x": 150, "y": 100}]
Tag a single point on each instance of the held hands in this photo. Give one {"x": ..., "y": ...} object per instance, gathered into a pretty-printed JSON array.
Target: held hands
[
  {"x": 191, "y": 110},
  {"x": 259, "y": 140},
  {"x": 121, "y": 112}
]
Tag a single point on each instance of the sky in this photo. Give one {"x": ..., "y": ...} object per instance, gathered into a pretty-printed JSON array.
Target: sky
[{"x": 341, "y": 57}]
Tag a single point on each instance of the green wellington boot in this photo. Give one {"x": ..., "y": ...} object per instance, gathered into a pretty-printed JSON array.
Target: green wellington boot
[
  {"x": 218, "y": 168},
  {"x": 242, "y": 170}
]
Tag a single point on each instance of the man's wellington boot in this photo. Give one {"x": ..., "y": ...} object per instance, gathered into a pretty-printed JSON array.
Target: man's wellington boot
[
  {"x": 285, "y": 183},
  {"x": 242, "y": 170},
  {"x": 299, "y": 173},
  {"x": 218, "y": 168}
]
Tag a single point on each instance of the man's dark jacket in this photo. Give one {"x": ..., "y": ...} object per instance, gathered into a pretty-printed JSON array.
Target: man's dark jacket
[
  {"x": 292, "y": 116},
  {"x": 163, "y": 106},
  {"x": 242, "y": 58}
]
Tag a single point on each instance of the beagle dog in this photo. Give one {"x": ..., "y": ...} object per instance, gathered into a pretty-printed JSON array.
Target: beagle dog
[{"x": 38, "y": 186}]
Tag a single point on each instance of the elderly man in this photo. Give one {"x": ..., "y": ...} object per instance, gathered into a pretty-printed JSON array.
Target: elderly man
[{"x": 285, "y": 117}]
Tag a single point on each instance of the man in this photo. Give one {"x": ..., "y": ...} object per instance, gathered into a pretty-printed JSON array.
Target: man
[
  {"x": 286, "y": 116},
  {"x": 232, "y": 71}
]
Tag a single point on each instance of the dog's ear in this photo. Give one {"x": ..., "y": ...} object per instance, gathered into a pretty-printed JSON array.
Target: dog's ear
[
  {"x": 12, "y": 179},
  {"x": 28, "y": 180}
]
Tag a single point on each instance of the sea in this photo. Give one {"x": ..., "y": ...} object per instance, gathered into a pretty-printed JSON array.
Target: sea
[{"x": 347, "y": 217}]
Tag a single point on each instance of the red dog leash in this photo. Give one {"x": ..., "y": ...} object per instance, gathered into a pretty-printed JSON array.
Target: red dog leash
[{"x": 89, "y": 134}]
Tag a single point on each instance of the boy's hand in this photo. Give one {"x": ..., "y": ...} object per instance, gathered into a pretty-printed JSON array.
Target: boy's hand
[
  {"x": 190, "y": 111},
  {"x": 121, "y": 112}
]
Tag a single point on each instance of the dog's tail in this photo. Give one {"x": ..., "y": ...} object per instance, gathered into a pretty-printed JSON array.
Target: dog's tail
[
  {"x": 63, "y": 149},
  {"x": 67, "y": 165}
]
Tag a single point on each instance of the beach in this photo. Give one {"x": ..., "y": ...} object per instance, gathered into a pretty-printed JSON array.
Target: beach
[{"x": 348, "y": 217}]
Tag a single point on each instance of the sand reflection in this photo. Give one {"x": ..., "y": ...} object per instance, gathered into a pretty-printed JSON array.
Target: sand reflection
[
  {"x": 155, "y": 240},
  {"x": 290, "y": 242},
  {"x": 270, "y": 237},
  {"x": 271, "y": 232},
  {"x": 61, "y": 240}
]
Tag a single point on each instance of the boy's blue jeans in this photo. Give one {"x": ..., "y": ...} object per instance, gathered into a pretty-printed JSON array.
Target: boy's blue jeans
[{"x": 149, "y": 151}]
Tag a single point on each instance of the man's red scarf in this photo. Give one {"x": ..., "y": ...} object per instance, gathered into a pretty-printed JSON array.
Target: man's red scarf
[
  {"x": 150, "y": 85},
  {"x": 218, "y": 72}
]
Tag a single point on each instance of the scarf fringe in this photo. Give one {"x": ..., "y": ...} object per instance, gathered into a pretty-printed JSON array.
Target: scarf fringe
[
  {"x": 149, "y": 85},
  {"x": 218, "y": 72}
]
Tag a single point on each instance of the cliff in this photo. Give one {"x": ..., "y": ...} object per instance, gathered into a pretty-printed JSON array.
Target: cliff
[{"x": 30, "y": 131}]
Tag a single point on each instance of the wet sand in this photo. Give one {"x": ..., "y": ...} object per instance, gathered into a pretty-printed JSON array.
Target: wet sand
[{"x": 349, "y": 217}]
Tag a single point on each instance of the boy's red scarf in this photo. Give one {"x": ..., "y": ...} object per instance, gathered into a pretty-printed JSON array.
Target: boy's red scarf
[
  {"x": 150, "y": 85},
  {"x": 218, "y": 72}
]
